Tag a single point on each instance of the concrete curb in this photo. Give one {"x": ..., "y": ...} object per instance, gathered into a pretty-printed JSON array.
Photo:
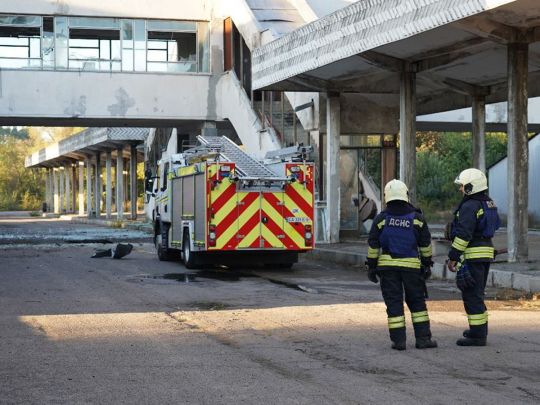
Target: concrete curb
[{"x": 496, "y": 278}]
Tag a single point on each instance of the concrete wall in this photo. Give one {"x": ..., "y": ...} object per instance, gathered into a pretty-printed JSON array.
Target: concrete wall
[
  {"x": 324, "y": 7},
  {"x": 106, "y": 95},
  {"x": 498, "y": 189},
  {"x": 166, "y": 9}
]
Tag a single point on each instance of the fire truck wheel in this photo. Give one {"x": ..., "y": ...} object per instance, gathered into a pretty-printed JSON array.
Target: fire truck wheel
[
  {"x": 164, "y": 254},
  {"x": 190, "y": 257}
]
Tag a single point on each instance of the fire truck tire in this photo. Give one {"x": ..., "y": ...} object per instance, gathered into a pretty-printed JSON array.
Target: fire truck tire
[
  {"x": 160, "y": 240},
  {"x": 189, "y": 257}
]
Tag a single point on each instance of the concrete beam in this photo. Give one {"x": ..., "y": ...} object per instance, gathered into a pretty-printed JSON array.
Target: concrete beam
[
  {"x": 479, "y": 133},
  {"x": 489, "y": 29},
  {"x": 518, "y": 153},
  {"x": 133, "y": 180},
  {"x": 382, "y": 61},
  {"x": 333, "y": 132},
  {"x": 448, "y": 54},
  {"x": 407, "y": 132},
  {"x": 67, "y": 178}
]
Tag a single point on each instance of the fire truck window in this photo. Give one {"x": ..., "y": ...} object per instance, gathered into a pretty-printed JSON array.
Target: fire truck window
[{"x": 165, "y": 174}]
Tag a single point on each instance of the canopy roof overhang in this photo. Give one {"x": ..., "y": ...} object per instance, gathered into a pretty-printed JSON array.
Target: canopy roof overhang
[
  {"x": 86, "y": 144},
  {"x": 458, "y": 48}
]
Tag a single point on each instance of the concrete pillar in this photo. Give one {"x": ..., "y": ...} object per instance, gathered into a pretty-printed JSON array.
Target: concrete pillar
[
  {"x": 62, "y": 189},
  {"x": 67, "y": 178},
  {"x": 479, "y": 133},
  {"x": 108, "y": 189},
  {"x": 388, "y": 165},
  {"x": 119, "y": 184},
  {"x": 518, "y": 153},
  {"x": 81, "y": 189},
  {"x": 50, "y": 194},
  {"x": 74, "y": 187},
  {"x": 333, "y": 130},
  {"x": 133, "y": 180},
  {"x": 48, "y": 188},
  {"x": 407, "y": 131},
  {"x": 88, "y": 188},
  {"x": 97, "y": 186},
  {"x": 56, "y": 196}
]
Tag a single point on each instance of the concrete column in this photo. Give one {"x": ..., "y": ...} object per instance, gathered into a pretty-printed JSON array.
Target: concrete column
[
  {"x": 74, "y": 187},
  {"x": 119, "y": 184},
  {"x": 407, "y": 131},
  {"x": 48, "y": 188},
  {"x": 333, "y": 131},
  {"x": 97, "y": 186},
  {"x": 479, "y": 133},
  {"x": 81, "y": 189},
  {"x": 133, "y": 181},
  {"x": 67, "y": 178},
  {"x": 56, "y": 194},
  {"x": 518, "y": 153},
  {"x": 108, "y": 189},
  {"x": 88, "y": 188},
  {"x": 62, "y": 189}
]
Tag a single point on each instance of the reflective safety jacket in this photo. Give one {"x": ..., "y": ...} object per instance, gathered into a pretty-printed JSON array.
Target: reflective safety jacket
[
  {"x": 399, "y": 239},
  {"x": 475, "y": 221}
]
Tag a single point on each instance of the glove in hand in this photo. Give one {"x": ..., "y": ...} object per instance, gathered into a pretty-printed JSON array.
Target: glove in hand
[
  {"x": 372, "y": 276},
  {"x": 425, "y": 272},
  {"x": 464, "y": 278}
]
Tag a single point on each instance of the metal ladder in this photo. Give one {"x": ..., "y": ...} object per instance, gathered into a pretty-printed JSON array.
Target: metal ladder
[{"x": 246, "y": 166}]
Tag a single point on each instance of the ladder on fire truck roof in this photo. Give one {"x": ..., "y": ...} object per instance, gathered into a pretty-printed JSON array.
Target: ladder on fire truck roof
[{"x": 245, "y": 165}]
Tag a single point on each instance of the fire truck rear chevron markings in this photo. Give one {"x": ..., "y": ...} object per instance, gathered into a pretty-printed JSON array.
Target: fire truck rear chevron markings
[
  {"x": 291, "y": 231},
  {"x": 300, "y": 200},
  {"x": 219, "y": 197},
  {"x": 270, "y": 236},
  {"x": 287, "y": 241}
]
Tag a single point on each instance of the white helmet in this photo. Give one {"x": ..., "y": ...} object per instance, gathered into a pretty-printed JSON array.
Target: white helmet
[
  {"x": 472, "y": 180},
  {"x": 396, "y": 190}
]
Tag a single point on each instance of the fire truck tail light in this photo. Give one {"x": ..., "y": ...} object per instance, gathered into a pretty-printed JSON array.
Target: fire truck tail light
[
  {"x": 212, "y": 234},
  {"x": 308, "y": 235},
  {"x": 294, "y": 169}
]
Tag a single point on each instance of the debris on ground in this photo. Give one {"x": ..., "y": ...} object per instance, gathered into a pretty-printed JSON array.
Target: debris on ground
[{"x": 117, "y": 252}]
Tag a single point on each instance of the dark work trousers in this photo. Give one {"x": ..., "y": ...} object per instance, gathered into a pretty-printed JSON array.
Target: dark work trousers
[
  {"x": 473, "y": 299},
  {"x": 393, "y": 284}
]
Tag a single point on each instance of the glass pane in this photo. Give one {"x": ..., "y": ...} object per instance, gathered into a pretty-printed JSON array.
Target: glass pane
[
  {"x": 13, "y": 52},
  {"x": 47, "y": 42},
  {"x": 13, "y": 41},
  {"x": 83, "y": 43},
  {"x": 61, "y": 34},
  {"x": 127, "y": 45},
  {"x": 83, "y": 53},
  {"x": 157, "y": 56},
  {"x": 35, "y": 48},
  {"x": 204, "y": 47},
  {"x": 140, "y": 45},
  {"x": 104, "y": 49},
  {"x": 115, "y": 50},
  {"x": 27, "y": 21},
  {"x": 157, "y": 44},
  {"x": 86, "y": 22},
  {"x": 172, "y": 25},
  {"x": 20, "y": 63},
  {"x": 172, "y": 67}
]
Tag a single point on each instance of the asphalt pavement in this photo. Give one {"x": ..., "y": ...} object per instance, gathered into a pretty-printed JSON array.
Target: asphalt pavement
[{"x": 100, "y": 331}]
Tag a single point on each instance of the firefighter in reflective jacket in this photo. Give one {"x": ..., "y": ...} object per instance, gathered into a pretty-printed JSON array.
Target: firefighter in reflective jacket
[
  {"x": 400, "y": 255},
  {"x": 475, "y": 222}
]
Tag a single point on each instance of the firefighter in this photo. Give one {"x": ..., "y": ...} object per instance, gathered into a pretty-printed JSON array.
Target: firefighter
[
  {"x": 399, "y": 254},
  {"x": 475, "y": 222}
]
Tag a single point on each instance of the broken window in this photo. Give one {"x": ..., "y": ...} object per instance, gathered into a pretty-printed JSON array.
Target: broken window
[
  {"x": 172, "y": 51},
  {"x": 94, "y": 44},
  {"x": 20, "y": 42}
]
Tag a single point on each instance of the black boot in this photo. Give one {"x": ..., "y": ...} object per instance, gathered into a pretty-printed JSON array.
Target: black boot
[
  {"x": 469, "y": 341},
  {"x": 401, "y": 345},
  {"x": 425, "y": 343},
  {"x": 466, "y": 333}
]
